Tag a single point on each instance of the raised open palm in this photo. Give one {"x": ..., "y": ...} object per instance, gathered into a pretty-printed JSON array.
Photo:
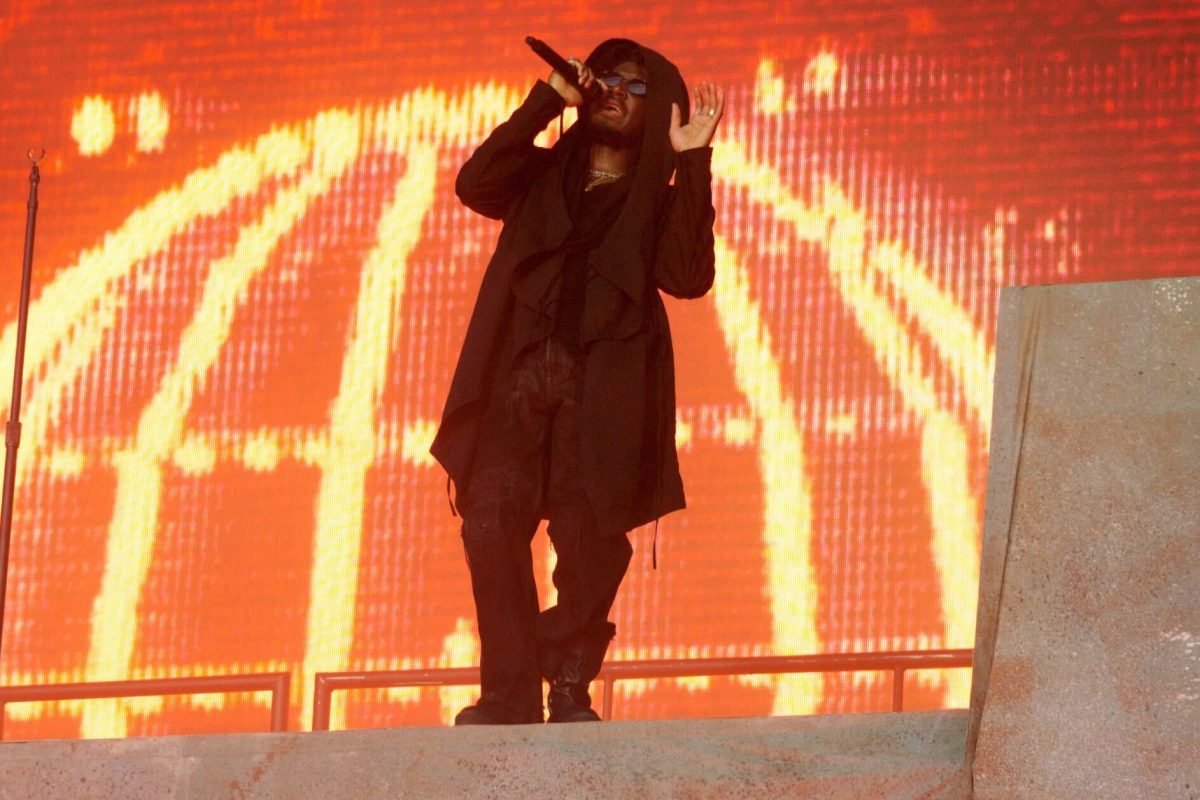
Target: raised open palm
[{"x": 708, "y": 107}]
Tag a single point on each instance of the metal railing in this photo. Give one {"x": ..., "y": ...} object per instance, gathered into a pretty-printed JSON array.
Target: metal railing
[
  {"x": 277, "y": 683},
  {"x": 898, "y": 664}
]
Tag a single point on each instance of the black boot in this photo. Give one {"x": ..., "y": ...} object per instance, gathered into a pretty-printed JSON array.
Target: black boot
[
  {"x": 578, "y": 664},
  {"x": 493, "y": 714}
]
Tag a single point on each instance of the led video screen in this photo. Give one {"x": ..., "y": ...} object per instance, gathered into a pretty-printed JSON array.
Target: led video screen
[{"x": 252, "y": 278}]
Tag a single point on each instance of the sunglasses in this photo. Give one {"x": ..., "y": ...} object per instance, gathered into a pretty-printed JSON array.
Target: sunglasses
[{"x": 635, "y": 86}]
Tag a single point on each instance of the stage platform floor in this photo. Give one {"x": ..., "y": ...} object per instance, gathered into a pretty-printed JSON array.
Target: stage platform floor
[{"x": 894, "y": 755}]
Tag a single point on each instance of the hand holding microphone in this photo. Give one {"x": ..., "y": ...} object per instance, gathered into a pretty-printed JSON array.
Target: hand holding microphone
[
  {"x": 571, "y": 78},
  {"x": 569, "y": 92}
]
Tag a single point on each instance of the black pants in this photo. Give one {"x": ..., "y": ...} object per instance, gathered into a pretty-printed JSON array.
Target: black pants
[{"x": 527, "y": 468}]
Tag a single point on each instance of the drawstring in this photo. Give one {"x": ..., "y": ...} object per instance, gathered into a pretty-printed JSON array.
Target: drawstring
[
  {"x": 654, "y": 546},
  {"x": 449, "y": 499}
]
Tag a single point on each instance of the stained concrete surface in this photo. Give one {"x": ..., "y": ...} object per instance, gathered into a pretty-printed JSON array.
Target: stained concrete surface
[
  {"x": 902, "y": 756},
  {"x": 1087, "y": 676}
]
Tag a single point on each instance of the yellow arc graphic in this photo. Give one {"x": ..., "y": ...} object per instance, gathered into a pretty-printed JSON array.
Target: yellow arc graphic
[
  {"x": 338, "y": 539},
  {"x": 134, "y": 525},
  {"x": 835, "y": 223},
  {"x": 787, "y": 492}
]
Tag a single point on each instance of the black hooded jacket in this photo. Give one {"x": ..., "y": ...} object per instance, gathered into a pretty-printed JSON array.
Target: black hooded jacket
[{"x": 662, "y": 239}]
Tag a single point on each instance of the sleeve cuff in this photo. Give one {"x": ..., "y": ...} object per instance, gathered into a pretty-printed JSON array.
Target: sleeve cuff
[
  {"x": 695, "y": 160},
  {"x": 546, "y": 99}
]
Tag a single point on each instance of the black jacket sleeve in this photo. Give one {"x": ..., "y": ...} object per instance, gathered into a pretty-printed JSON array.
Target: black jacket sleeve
[
  {"x": 684, "y": 263},
  {"x": 506, "y": 163}
]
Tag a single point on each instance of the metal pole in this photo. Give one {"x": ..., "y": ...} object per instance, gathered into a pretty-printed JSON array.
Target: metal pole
[{"x": 12, "y": 431}]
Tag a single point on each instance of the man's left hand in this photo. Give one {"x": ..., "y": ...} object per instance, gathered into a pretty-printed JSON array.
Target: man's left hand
[{"x": 709, "y": 106}]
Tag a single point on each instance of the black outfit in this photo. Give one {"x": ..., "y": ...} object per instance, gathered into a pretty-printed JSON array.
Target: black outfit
[
  {"x": 526, "y": 469},
  {"x": 562, "y": 404}
]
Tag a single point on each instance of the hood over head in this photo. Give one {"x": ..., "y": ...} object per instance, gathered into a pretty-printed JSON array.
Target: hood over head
[
  {"x": 624, "y": 255},
  {"x": 665, "y": 86}
]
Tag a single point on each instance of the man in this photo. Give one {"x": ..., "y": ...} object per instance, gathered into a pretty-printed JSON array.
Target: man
[{"x": 562, "y": 405}]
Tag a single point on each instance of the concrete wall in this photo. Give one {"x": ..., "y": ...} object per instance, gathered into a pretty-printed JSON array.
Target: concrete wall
[{"x": 1087, "y": 678}]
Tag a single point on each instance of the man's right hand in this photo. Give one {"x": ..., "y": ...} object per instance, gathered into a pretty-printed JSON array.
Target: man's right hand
[{"x": 569, "y": 93}]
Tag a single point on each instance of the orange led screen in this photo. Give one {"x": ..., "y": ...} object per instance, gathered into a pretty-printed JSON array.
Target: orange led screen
[{"x": 252, "y": 277}]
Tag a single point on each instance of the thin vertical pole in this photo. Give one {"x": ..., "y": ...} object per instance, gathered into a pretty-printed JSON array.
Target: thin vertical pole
[{"x": 12, "y": 431}]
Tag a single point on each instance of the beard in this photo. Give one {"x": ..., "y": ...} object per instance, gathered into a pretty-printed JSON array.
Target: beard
[{"x": 619, "y": 139}]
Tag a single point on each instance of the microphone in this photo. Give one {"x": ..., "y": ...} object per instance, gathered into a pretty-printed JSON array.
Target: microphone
[{"x": 559, "y": 64}]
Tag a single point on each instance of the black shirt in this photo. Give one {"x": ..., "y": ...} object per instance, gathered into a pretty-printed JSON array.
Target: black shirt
[{"x": 593, "y": 213}]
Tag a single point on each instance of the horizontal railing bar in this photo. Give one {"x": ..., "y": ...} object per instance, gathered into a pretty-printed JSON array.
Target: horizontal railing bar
[
  {"x": 768, "y": 665},
  {"x": 98, "y": 690},
  {"x": 670, "y": 668},
  {"x": 277, "y": 683},
  {"x": 388, "y": 679}
]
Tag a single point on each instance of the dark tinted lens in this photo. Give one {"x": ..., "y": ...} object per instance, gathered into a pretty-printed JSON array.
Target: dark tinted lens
[{"x": 635, "y": 86}]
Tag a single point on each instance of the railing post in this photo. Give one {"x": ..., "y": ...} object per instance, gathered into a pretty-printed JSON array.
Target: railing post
[
  {"x": 321, "y": 692},
  {"x": 280, "y": 702},
  {"x": 898, "y": 689},
  {"x": 607, "y": 703}
]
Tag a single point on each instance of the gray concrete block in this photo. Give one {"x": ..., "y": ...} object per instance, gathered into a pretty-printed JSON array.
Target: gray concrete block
[{"x": 1087, "y": 658}]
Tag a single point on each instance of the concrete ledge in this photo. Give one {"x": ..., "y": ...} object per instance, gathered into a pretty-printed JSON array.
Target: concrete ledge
[
  {"x": 1087, "y": 652},
  {"x": 908, "y": 755}
]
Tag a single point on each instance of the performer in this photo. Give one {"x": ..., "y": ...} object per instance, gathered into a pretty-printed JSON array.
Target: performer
[{"x": 562, "y": 405}]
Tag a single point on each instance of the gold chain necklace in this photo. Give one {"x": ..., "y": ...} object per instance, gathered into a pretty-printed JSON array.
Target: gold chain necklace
[{"x": 599, "y": 176}]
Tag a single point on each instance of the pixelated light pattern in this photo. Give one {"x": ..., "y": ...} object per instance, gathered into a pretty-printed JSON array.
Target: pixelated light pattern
[
  {"x": 93, "y": 125},
  {"x": 252, "y": 277},
  {"x": 820, "y": 74},
  {"x": 153, "y": 121}
]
